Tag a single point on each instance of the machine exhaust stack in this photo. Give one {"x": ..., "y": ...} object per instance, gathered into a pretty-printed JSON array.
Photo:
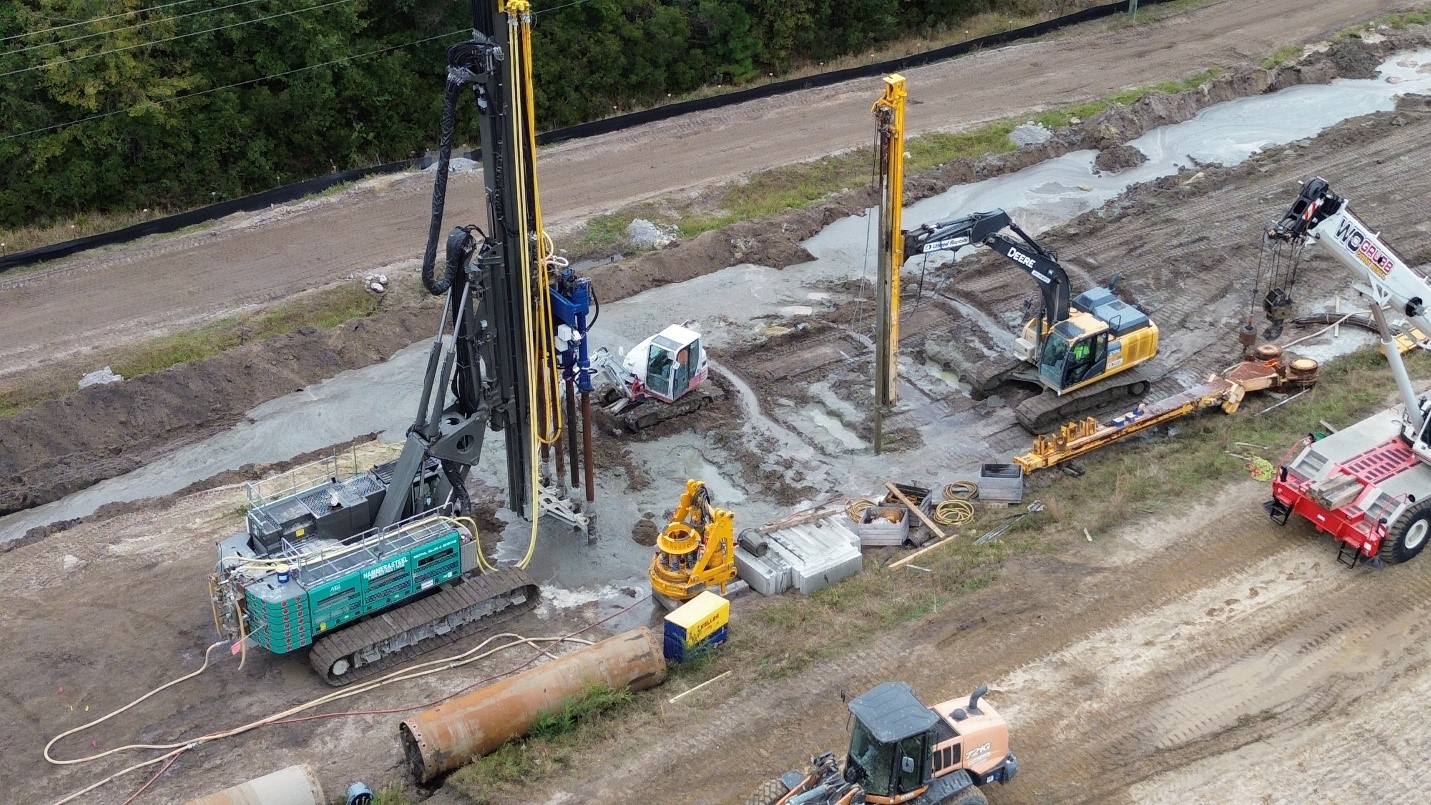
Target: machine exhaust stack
[{"x": 974, "y": 698}]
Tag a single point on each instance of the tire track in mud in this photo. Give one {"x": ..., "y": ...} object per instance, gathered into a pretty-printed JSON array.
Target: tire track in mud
[
  {"x": 1064, "y": 640},
  {"x": 1275, "y": 667}
]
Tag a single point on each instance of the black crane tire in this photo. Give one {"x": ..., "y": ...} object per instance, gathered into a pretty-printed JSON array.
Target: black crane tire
[
  {"x": 1408, "y": 535},
  {"x": 768, "y": 793}
]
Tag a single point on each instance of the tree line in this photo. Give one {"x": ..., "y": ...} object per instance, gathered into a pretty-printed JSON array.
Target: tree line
[{"x": 111, "y": 105}]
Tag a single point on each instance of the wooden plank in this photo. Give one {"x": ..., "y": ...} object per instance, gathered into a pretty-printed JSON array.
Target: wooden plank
[{"x": 900, "y": 496}]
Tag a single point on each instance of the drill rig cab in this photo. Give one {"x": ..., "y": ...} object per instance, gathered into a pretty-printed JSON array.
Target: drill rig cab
[
  {"x": 903, "y": 752},
  {"x": 1081, "y": 351}
]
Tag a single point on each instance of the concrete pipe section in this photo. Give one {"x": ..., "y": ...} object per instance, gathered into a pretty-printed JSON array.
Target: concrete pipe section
[
  {"x": 442, "y": 739},
  {"x": 295, "y": 785}
]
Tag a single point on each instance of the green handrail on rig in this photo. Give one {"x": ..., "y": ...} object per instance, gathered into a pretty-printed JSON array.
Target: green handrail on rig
[{"x": 317, "y": 559}]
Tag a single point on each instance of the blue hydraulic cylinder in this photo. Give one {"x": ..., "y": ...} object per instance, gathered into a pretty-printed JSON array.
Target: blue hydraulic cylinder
[{"x": 571, "y": 304}]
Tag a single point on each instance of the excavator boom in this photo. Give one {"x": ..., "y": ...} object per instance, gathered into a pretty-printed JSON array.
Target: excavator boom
[{"x": 1074, "y": 345}]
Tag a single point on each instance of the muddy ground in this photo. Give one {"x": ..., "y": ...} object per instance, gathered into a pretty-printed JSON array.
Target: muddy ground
[
  {"x": 59, "y": 447},
  {"x": 1202, "y": 654}
]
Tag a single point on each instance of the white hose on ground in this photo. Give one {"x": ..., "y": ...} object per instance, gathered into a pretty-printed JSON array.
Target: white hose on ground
[{"x": 422, "y": 669}]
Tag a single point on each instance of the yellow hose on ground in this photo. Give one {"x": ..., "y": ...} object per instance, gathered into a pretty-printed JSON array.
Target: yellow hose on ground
[
  {"x": 961, "y": 490},
  {"x": 857, "y": 508},
  {"x": 954, "y": 512},
  {"x": 421, "y": 669}
]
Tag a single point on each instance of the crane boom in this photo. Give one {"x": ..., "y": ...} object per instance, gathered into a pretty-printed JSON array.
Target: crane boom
[
  {"x": 1321, "y": 216},
  {"x": 1369, "y": 483}
]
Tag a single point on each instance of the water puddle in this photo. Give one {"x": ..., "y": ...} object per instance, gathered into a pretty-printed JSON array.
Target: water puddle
[
  {"x": 835, "y": 428},
  {"x": 690, "y": 462}
]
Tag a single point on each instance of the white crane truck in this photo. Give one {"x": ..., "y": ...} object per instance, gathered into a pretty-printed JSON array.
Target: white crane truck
[{"x": 1368, "y": 485}]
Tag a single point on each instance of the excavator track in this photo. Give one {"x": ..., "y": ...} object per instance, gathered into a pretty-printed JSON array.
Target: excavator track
[
  {"x": 1044, "y": 412},
  {"x": 651, "y": 412},
  {"x": 391, "y": 638},
  {"x": 987, "y": 375}
]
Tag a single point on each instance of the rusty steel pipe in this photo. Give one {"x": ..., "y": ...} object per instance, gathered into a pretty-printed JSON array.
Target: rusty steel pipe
[
  {"x": 586, "y": 448},
  {"x": 444, "y": 738}
]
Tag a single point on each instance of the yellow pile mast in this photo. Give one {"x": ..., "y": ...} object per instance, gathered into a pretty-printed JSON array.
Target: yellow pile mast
[
  {"x": 889, "y": 121},
  {"x": 696, "y": 550}
]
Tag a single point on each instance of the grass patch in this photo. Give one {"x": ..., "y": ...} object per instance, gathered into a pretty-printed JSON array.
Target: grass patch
[
  {"x": 392, "y": 795},
  {"x": 23, "y": 238},
  {"x": 1281, "y": 56},
  {"x": 593, "y": 700},
  {"x": 552, "y": 743},
  {"x": 327, "y": 307},
  {"x": 1402, "y": 20},
  {"x": 1397, "y": 21}
]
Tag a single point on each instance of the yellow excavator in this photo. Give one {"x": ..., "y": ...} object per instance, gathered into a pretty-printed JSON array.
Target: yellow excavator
[
  {"x": 695, "y": 551},
  {"x": 1083, "y": 352}
]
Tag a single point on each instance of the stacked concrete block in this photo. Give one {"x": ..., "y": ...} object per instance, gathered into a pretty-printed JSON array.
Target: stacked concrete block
[{"x": 807, "y": 557}]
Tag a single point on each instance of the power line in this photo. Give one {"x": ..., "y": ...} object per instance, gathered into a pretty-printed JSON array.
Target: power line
[
  {"x": 229, "y": 86},
  {"x": 127, "y": 27},
  {"x": 97, "y": 19},
  {"x": 560, "y": 7},
  {"x": 58, "y": 62}
]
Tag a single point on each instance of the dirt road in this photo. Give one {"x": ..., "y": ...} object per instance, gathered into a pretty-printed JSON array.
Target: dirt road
[{"x": 138, "y": 289}]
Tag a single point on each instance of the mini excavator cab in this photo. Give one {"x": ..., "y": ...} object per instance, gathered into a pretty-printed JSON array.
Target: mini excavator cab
[{"x": 673, "y": 362}]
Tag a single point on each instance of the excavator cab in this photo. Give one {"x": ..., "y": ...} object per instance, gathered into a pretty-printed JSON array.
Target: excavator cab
[
  {"x": 673, "y": 360},
  {"x": 1071, "y": 356}
]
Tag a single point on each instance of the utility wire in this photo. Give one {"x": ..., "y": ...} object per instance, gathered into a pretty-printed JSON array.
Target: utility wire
[
  {"x": 562, "y": 6},
  {"x": 172, "y": 38},
  {"x": 127, "y": 28},
  {"x": 96, "y": 19},
  {"x": 227, "y": 86}
]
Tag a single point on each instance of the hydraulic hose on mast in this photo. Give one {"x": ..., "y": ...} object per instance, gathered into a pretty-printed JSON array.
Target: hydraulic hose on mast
[{"x": 519, "y": 26}]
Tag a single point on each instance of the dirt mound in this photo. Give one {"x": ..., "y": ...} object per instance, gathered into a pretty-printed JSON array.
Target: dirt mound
[{"x": 1119, "y": 157}]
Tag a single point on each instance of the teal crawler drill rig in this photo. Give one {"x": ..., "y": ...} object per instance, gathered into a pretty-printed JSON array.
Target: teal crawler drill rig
[{"x": 368, "y": 568}]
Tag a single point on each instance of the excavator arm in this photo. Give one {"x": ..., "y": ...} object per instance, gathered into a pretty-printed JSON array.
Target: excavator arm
[{"x": 986, "y": 228}]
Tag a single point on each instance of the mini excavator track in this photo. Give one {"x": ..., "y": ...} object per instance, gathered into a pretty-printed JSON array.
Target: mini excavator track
[
  {"x": 649, "y": 413},
  {"x": 391, "y": 638}
]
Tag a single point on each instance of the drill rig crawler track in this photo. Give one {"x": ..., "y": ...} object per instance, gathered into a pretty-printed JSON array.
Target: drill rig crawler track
[{"x": 388, "y": 639}]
